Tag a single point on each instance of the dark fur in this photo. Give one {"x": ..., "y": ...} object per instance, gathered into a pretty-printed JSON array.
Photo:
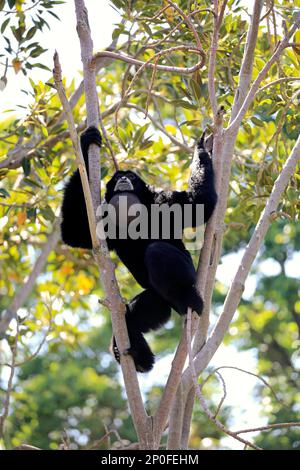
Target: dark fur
[{"x": 164, "y": 268}]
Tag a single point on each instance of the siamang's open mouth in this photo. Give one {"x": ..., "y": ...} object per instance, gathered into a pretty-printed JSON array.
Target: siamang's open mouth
[{"x": 124, "y": 185}]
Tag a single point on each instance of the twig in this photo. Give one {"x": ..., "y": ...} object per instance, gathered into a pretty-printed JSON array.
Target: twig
[
  {"x": 166, "y": 68},
  {"x": 36, "y": 352},
  {"x": 107, "y": 434},
  {"x": 279, "y": 80},
  {"x": 224, "y": 393},
  {"x": 270, "y": 427},
  {"x": 259, "y": 377},
  {"x": 245, "y": 74}
]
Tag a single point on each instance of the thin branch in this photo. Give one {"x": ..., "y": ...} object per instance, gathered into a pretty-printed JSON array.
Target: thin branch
[
  {"x": 36, "y": 352},
  {"x": 259, "y": 377},
  {"x": 17, "y": 12},
  {"x": 101, "y": 255},
  {"x": 149, "y": 64},
  {"x": 212, "y": 55},
  {"x": 275, "y": 82},
  {"x": 245, "y": 74},
  {"x": 270, "y": 427},
  {"x": 224, "y": 393}
]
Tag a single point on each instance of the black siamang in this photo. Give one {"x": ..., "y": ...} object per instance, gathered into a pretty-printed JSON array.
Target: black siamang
[{"x": 163, "y": 267}]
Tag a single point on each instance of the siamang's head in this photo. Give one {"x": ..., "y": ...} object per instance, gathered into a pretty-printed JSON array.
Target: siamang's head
[
  {"x": 125, "y": 186},
  {"x": 125, "y": 182}
]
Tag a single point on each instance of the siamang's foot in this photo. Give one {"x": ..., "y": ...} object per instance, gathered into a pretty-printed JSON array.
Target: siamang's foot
[
  {"x": 190, "y": 298},
  {"x": 90, "y": 136},
  {"x": 139, "y": 351}
]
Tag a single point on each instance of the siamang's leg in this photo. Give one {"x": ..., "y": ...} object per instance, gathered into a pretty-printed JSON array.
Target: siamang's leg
[
  {"x": 147, "y": 311},
  {"x": 172, "y": 274}
]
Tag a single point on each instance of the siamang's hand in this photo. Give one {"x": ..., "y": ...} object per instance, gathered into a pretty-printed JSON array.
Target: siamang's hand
[
  {"x": 90, "y": 136},
  {"x": 206, "y": 144}
]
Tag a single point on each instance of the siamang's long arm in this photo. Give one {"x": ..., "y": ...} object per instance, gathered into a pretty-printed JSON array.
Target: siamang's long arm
[
  {"x": 201, "y": 186},
  {"x": 75, "y": 227}
]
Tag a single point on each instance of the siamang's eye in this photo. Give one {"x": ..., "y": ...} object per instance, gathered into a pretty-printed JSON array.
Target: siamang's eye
[{"x": 131, "y": 177}]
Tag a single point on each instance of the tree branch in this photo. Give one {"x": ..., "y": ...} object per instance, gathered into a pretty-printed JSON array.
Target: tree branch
[
  {"x": 212, "y": 55},
  {"x": 237, "y": 287},
  {"x": 100, "y": 251},
  {"x": 149, "y": 64}
]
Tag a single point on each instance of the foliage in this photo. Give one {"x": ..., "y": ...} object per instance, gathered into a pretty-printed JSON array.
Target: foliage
[
  {"x": 71, "y": 384},
  {"x": 21, "y": 23}
]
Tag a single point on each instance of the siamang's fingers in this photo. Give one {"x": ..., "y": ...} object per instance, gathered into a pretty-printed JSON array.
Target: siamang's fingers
[
  {"x": 114, "y": 349},
  {"x": 201, "y": 141},
  {"x": 91, "y": 136},
  {"x": 208, "y": 145}
]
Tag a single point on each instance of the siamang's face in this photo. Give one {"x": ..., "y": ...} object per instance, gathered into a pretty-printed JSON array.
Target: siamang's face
[{"x": 124, "y": 181}]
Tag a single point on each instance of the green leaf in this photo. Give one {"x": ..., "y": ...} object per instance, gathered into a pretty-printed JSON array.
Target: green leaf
[
  {"x": 196, "y": 89},
  {"x": 31, "y": 213},
  {"x": 257, "y": 121},
  {"x": 44, "y": 67},
  {"x": 26, "y": 166},
  {"x": 44, "y": 131},
  {"x": 32, "y": 183},
  {"x": 192, "y": 122},
  {"x": 117, "y": 3},
  {"x": 104, "y": 171},
  {"x": 139, "y": 134},
  {"x": 48, "y": 213},
  {"x": 17, "y": 32},
  {"x": 147, "y": 29},
  {"x": 54, "y": 14},
  {"x": 4, "y": 24},
  {"x": 37, "y": 51},
  {"x": 30, "y": 33},
  {"x": 184, "y": 104},
  {"x": 4, "y": 193},
  {"x": 2, "y": 3},
  {"x": 146, "y": 144}
]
